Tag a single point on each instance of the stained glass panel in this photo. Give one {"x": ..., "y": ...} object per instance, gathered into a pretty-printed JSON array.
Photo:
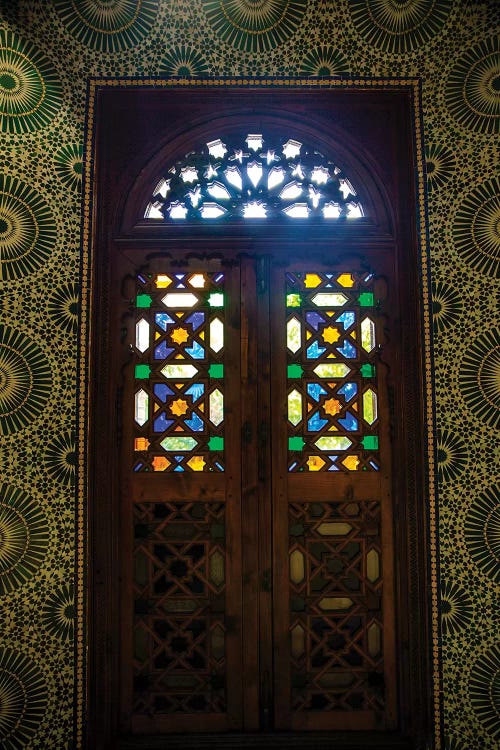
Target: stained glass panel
[
  {"x": 253, "y": 179},
  {"x": 179, "y": 414},
  {"x": 332, "y": 390}
]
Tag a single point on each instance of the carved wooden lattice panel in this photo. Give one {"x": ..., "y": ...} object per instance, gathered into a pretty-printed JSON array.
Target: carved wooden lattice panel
[
  {"x": 336, "y": 606},
  {"x": 179, "y": 661},
  {"x": 332, "y": 395},
  {"x": 179, "y": 372}
]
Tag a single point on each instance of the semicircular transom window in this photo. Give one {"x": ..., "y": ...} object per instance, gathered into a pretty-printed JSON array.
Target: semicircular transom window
[{"x": 253, "y": 180}]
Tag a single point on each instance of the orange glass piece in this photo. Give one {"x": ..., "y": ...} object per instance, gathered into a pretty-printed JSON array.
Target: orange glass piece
[
  {"x": 141, "y": 444},
  {"x": 179, "y": 407},
  {"x": 179, "y": 336},
  {"x": 196, "y": 463},
  {"x": 198, "y": 281},
  {"x": 331, "y": 335},
  {"x": 332, "y": 406},
  {"x": 312, "y": 280},
  {"x": 162, "y": 281},
  {"x": 351, "y": 463},
  {"x": 160, "y": 463},
  {"x": 315, "y": 463},
  {"x": 345, "y": 280}
]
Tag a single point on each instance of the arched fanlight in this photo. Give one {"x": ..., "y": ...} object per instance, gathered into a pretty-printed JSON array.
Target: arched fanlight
[{"x": 254, "y": 179}]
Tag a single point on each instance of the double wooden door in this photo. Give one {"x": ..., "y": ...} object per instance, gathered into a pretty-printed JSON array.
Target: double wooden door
[{"x": 256, "y": 546}]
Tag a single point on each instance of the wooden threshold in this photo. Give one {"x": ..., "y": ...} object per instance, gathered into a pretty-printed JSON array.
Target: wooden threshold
[{"x": 270, "y": 741}]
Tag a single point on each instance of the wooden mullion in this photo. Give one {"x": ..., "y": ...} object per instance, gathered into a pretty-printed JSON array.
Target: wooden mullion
[
  {"x": 250, "y": 676},
  {"x": 264, "y": 439},
  {"x": 232, "y": 474},
  {"x": 279, "y": 454}
]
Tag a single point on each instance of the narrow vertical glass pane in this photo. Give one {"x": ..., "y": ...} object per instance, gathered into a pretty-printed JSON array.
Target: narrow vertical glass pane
[
  {"x": 142, "y": 335},
  {"x": 369, "y": 406},
  {"x": 293, "y": 336},
  {"x": 298, "y": 641},
  {"x": 368, "y": 335},
  {"x": 216, "y": 334},
  {"x": 141, "y": 407},
  {"x": 294, "y": 407},
  {"x": 297, "y": 566},
  {"x": 216, "y": 408}
]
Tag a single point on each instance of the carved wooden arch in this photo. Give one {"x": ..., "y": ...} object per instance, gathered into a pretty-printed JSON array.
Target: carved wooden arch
[{"x": 355, "y": 161}]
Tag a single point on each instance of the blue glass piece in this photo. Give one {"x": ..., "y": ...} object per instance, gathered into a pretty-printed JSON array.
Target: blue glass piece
[
  {"x": 219, "y": 466},
  {"x": 348, "y": 390},
  {"x": 161, "y": 391},
  {"x": 162, "y": 351},
  {"x": 315, "y": 422},
  {"x": 347, "y": 319},
  {"x": 179, "y": 459},
  {"x": 143, "y": 281},
  {"x": 292, "y": 466},
  {"x": 333, "y": 467},
  {"x": 349, "y": 422},
  {"x": 138, "y": 467},
  {"x": 196, "y": 351},
  {"x": 348, "y": 350},
  {"x": 195, "y": 423},
  {"x": 314, "y": 319},
  {"x": 315, "y": 390},
  {"x": 315, "y": 350},
  {"x": 373, "y": 465},
  {"x": 218, "y": 278},
  {"x": 163, "y": 319},
  {"x": 161, "y": 423},
  {"x": 179, "y": 468},
  {"x": 291, "y": 278},
  {"x": 196, "y": 390},
  {"x": 196, "y": 319}
]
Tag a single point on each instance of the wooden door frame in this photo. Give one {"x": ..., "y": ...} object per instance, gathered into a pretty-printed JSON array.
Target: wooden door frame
[{"x": 130, "y": 139}]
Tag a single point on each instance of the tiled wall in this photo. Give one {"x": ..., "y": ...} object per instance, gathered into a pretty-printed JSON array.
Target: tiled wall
[{"x": 48, "y": 50}]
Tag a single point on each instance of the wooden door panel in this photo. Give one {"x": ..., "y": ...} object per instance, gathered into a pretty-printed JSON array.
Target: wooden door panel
[
  {"x": 260, "y": 558},
  {"x": 181, "y": 501},
  {"x": 332, "y": 504}
]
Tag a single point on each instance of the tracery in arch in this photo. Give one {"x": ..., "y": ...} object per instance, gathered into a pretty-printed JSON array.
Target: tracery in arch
[{"x": 253, "y": 180}]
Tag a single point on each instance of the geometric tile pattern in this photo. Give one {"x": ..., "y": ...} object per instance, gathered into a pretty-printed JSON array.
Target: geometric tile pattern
[{"x": 47, "y": 54}]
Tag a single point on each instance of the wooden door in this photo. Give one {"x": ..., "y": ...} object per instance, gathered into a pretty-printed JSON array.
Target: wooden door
[{"x": 256, "y": 495}]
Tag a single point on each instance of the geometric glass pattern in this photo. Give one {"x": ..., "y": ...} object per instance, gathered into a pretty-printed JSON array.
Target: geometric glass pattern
[
  {"x": 179, "y": 634},
  {"x": 332, "y": 388},
  {"x": 179, "y": 372},
  {"x": 253, "y": 179},
  {"x": 336, "y": 606}
]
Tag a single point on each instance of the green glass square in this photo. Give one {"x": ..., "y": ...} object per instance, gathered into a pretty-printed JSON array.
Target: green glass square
[
  {"x": 216, "y": 444},
  {"x": 366, "y": 299},
  {"x": 367, "y": 371},
  {"x": 295, "y": 443},
  {"x": 216, "y": 371},
  {"x": 370, "y": 442},
  {"x": 142, "y": 372},
  {"x": 216, "y": 299},
  {"x": 295, "y": 371},
  {"x": 293, "y": 300},
  {"x": 143, "y": 300}
]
